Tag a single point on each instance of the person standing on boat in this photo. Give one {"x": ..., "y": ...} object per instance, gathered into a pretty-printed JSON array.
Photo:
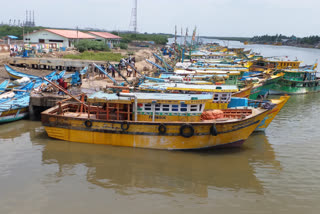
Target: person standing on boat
[{"x": 62, "y": 84}]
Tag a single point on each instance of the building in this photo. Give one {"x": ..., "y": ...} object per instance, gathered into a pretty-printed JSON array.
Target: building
[
  {"x": 108, "y": 38},
  {"x": 9, "y": 38},
  {"x": 47, "y": 36}
]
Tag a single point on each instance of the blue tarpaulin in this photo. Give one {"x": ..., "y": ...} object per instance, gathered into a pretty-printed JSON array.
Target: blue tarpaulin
[{"x": 12, "y": 37}]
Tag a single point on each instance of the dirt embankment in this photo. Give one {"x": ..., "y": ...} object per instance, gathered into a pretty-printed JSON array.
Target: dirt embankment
[{"x": 95, "y": 80}]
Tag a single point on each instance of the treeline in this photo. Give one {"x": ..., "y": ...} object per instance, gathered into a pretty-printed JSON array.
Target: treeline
[
  {"x": 6, "y": 30},
  {"x": 241, "y": 39},
  {"x": 310, "y": 40},
  {"x": 267, "y": 38}
]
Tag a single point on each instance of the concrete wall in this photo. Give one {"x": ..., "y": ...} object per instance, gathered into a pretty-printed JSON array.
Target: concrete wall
[{"x": 42, "y": 34}]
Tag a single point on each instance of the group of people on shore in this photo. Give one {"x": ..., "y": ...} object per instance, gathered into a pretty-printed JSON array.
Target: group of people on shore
[{"x": 123, "y": 64}]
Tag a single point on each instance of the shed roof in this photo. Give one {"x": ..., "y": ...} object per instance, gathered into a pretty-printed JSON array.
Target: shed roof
[
  {"x": 71, "y": 34},
  {"x": 188, "y": 87},
  {"x": 105, "y": 35}
]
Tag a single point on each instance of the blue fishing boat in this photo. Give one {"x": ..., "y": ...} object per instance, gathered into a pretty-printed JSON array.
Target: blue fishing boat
[
  {"x": 18, "y": 75},
  {"x": 15, "y": 108},
  {"x": 82, "y": 72},
  {"x": 14, "y": 104},
  {"x": 38, "y": 81},
  {"x": 4, "y": 85}
]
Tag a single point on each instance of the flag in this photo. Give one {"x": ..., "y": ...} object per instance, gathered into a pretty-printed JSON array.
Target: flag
[{"x": 194, "y": 34}]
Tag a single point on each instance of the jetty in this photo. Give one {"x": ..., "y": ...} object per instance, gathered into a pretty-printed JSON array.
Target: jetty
[{"x": 52, "y": 63}]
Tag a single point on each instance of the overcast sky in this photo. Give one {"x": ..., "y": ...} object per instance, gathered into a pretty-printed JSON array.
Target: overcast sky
[{"x": 212, "y": 17}]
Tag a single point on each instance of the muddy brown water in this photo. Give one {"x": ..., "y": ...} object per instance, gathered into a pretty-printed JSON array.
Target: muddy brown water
[{"x": 274, "y": 172}]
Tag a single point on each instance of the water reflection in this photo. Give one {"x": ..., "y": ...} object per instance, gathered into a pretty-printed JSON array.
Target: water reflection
[{"x": 142, "y": 171}]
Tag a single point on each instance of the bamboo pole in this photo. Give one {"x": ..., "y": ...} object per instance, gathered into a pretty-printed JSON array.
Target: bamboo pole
[{"x": 65, "y": 91}]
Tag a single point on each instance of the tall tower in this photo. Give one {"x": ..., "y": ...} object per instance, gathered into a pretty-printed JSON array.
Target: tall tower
[
  {"x": 30, "y": 19},
  {"x": 26, "y": 22},
  {"x": 33, "y": 23},
  {"x": 134, "y": 19}
]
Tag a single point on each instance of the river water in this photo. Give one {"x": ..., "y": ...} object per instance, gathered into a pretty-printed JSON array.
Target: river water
[{"x": 274, "y": 172}]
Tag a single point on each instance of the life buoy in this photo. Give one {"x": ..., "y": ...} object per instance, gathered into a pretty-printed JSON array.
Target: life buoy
[
  {"x": 162, "y": 129},
  {"x": 213, "y": 130},
  {"x": 186, "y": 130},
  {"x": 88, "y": 123},
  {"x": 125, "y": 126}
]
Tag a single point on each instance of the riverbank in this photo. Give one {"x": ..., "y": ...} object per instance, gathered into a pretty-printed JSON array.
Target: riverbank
[{"x": 286, "y": 44}]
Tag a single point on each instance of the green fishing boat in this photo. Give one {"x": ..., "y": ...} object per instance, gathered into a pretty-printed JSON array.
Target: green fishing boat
[
  {"x": 262, "y": 87},
  {"x": 297, "y": 82}
]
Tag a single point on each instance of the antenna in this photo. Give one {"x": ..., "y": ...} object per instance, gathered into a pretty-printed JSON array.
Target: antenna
[
  {"x": 181, "y": 38},
  {"x": 33, "y": 23},
  {"x": 185, "y": 38},
  {"x": 175, "y": 35},
  {"x": 134, "y": 13}
]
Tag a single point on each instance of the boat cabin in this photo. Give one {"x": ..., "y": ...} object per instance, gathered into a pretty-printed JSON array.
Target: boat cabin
[
  {"x": 274, "y": 64},
  {"x": 149, "y": 106},
  {"x": 221, "y": 93}
]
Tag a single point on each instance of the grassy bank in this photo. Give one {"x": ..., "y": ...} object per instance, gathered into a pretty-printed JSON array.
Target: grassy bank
[
  {"x": 99, "y": 56},
  {"x": 160, "y": 39}
]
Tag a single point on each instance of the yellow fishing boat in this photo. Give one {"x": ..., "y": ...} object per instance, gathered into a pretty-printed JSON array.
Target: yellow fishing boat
[
  {"x": 224, "y": 97},
  {"x": 148, "y": 120},
  {"x": 275, "y": 64},
  {"x": 221, "y": 93},
  {"x": 243, "y": 92}
]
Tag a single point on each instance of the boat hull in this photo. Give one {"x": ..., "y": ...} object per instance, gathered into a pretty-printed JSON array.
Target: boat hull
[
  {"x": 146, "y": 134},
  {"x": 256, "y": 92},
  {"x": 243, "y": 93},
  {"x": 282, "y": 89},
  {"x": 287, "y": 86},
  {"x": 13, "y": 115},
  {"x": 272, "y": 114}
]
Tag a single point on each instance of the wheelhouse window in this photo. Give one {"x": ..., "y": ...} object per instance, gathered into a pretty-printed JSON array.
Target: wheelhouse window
[
  {"x": 193, "y": 107},
  {"x": 157, "y": 107},
  {"x": 175, "y": 107},
  {"x": 216, "y": 97},
  {"x": 165, "y": 107},
  {"x": 183, "y": 107},
  {"x": 224, "y": 97},
  {"x": 147, "y": 107}
]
